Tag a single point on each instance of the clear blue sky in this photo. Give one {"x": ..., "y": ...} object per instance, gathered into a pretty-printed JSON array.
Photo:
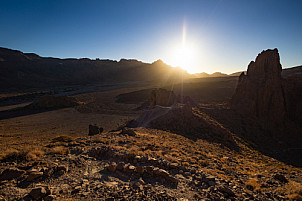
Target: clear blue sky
[{"x": 225, "y": 34}]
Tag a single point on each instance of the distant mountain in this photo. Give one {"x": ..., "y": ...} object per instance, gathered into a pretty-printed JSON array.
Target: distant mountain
[
  {"x": 237, "y": 73},
  {"x": 20, "y": 70},
  {"x": 200, "y": 75},
  {"x": 218, "y": 74},
  {"x": 204, "y": 75},
  {"x": 294, "y": 71},
  {"x": 286, "y": 72}
]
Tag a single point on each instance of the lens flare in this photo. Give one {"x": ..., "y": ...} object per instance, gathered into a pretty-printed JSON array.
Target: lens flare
[{"x": 184, "y": 54}]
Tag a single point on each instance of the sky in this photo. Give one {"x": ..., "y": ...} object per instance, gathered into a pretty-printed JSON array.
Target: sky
[{"x": 201, "y": 35}]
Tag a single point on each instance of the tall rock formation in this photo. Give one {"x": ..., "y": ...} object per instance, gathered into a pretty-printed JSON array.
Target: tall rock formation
[
  {"x": 162, "y": 97},
  {"x": 260, "y": 93}
]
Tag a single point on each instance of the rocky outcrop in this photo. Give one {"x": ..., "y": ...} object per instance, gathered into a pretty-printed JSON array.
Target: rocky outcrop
[
  {"x": 293, "y": 98},
  {"x": 263, "y": 93},
  {"x": 166, "y": 98},
  {"x": 260, "y": 92},
  {"x": 162, "y": 97},
  {"x": 11, "y": 173}
]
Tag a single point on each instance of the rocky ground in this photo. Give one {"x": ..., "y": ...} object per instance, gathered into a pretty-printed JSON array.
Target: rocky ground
[{"x": 144, "y": 164}]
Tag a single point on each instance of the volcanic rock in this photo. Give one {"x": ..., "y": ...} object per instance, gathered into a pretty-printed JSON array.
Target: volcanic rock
[
  {"x": 263, "y": 93},
  {"x": 128, "y": 131},
  {"x": 94, "y": 130},
  {"x": 162, "y": 97},
  {"x": 34, "y": 175},
  {"x": 280, "y": 178},
  {"x": 112, "y": 167},
  {"x": 11, "y": 173},
  {"x": 260, "y": 92},
  {"x": 293, "y": 98},
  {"x": 38, "y": 193}
]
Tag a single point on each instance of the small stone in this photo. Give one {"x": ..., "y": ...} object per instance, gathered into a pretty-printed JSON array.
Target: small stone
[
  {"x": 34, "y": 175},
  {"x": 50, "y": 198},
  {"x": 61, "y": 170},
  {"x": 173, "y": 179},
  {"x": 140, "y": 170},
  {"x": 187, "y": 174},
  {"x": 174, "y": 165},
  {"x": 94, "y": 130},
  {"x": 112, "y": 167},
  {"x": 141, "y": 181},
  {"x": 120, "y": 166},
  {"x": 163, "y": 173},
  {"x": 131, "y": 169},
  {"x": 128, "y": 131},
  {"x": 280, "y": 178},
  {"x": 226, "y": 190},
  {"x": 38, "y": 193},
  {"x": 149, "y": 169},
  {"x": 211, "y": 183},
  {"x": 210, "y": 178}
]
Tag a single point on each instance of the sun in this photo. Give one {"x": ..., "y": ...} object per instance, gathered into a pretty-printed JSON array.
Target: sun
[
  {"x": 183, "y": 53},
  {"x": 183, "y": 56}
]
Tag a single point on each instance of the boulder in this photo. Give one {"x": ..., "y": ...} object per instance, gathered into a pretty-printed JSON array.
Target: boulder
[
  {"x": 127, "y": 131},
  {"x": 162, "y": 97},
  {"x": 34, "y": 175},
  {"x": 120, "y": 166},
  {"x": 227, "y": 191},
  {"x": 61, "y": 169},
  {"x": 94, "y": 130},
  {"x": 38, "y": 193},
  {"x": 112, "y": 167},
  {"x": 280, "y": 178},
  {"x": 11, "y": 173}
]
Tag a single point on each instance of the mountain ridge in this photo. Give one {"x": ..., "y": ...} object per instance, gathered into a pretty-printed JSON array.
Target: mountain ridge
[{"x": 21, "y": 70}]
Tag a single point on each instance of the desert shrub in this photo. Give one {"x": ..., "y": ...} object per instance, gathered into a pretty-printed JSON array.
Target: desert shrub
[
  {"x": 22, "y": 155},
  {"x": 294, "y": 190},
  {"x": 252, "y": 185},
  {"x": 63, "y": 138},
  {"x": 203, "y": 163},
  {"x": 60, "y": 150},
  {"x": 295, "y": 197}
]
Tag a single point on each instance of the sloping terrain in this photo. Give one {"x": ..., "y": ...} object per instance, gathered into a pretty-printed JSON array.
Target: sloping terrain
[{"x": 151, "y": 165}]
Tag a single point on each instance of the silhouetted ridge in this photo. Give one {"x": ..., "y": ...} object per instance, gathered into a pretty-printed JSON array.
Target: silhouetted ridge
[{"x": 28, "y": 70}]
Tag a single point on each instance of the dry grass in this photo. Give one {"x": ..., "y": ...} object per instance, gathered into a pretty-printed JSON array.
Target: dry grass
[
  {"x": 293, "y": 187},
  {"x": 293, "y": 190},
  {"x": 295, "y": 197},
  {"x": 63, "y": 138},
  {"x": 22, "y": 155},
  {"x": 60, "y": 150}
]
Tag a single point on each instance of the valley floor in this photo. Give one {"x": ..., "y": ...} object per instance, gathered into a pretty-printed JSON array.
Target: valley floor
[{"x": 148, "y": 165}]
